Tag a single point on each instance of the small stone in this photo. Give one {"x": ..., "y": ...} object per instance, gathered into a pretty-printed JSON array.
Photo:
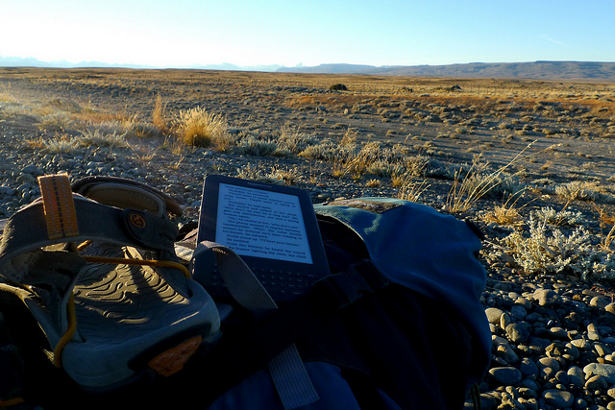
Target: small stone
[
  {"x": 530, "y": 384},
  {"x": 557, "y": 398},
  {"x": 527, "y": 393},
  {"x": 521, "y": 301},
  {"x": 607, "y": 370},
  {"x": 562, "y": 377},
  {"x": 506, "y": 352},
  {"x": 575, "y": 376},
  {"x": 518, "y": 332},
  {"x": 26, "y": 179},
  {"x": 518, "y": 312},
  {"x": 593, "y": 336},
  {"x": 599, "y": 301},
  {"x": 611, "y": 392},
  {"x": 528, "y": 367},
  {"x": 555, "y": 349},
  {"x": 32, "y": 170},
  {"x": 558, "y": 332},
  {"x": 493, "y": 315},
  {"x": 505, "y": 320},
  {"x": 545, "y": 297},
  {"x": 489, "y": 401},
  {"x": 596, "y": 382},
  {"x": 611, "y": 405},
  {"x": 533, "y": 317},
  {"x": 580, "y": 404},
  {"x": 549, "y": 362},
  {"x": 506, "y": 375},
  {"x": 610, "y": 308},
  {"x": 599, "y": 349},
  {"x": 579, "y": 343}
]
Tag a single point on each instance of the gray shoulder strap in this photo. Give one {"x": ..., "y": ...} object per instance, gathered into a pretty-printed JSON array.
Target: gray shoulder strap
[{"x": 289, "y": 375}]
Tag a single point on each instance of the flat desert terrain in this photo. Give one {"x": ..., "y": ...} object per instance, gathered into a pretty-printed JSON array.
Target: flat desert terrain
[{"x": 532, "y": 163}]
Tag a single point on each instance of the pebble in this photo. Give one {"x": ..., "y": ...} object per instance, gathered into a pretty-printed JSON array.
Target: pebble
[
  {"x": 545, "y": 297},
  {"x": 518, "y": 312},
  {"x": 506, "y": 375},
  {"x": 558, "y": 398},
  {"x": 606, "y": 370},
  {"x": 579, "y": 343},
  {"x": 596, "y": 382},
  {"x": 549, "y": 362},
  {"x": 575, "y": 376},
  {"x": 528, "y": 367},
  {"x": 518, "y": 332},
  {"x": 599, "y": 301},
  {"x": 493, "y": 315},
  {"x": 33, "y": 170},
  {"x": 505, "y": 320}
]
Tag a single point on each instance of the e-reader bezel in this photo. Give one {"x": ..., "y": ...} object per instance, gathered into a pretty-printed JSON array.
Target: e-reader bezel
[{"x": 208, "y": 222}]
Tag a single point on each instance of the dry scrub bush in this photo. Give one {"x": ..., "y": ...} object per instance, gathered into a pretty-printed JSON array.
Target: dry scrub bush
[
  {"x": 197, "y": 127},
  {"x": 563, "y": 217},
  {"x": 55, "y": 121},
  {"x": 546, "y": 249},
  {"x": 63, "y": 144},
  {"x": 94, "y": 137},
  {"x": 6, "y": 97},
  {"x": 251, "y": 145},
  {"x": 291, "y": 141},
  {"x": 574, "y": 190}
]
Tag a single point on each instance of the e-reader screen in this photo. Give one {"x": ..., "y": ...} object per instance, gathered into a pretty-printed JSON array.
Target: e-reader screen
[
  {"x": 272, "y": 227},
  {"x": 259, "y": 223}
]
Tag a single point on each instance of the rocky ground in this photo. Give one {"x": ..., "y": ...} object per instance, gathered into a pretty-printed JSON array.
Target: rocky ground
[{"x": 553, "y": 323}]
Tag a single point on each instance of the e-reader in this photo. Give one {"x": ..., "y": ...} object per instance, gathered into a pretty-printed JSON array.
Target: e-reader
[{"x": 273, "y": 228}]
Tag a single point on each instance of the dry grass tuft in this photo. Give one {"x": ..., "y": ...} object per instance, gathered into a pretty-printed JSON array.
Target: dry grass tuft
[
  {"x": 97, "y": 138},
  {"x": 412, "y": 190},
  {"x": 466, "y": 191},
  {"x": 504, "y": 215},
  {"x": 62, "y": 144},
  {"x": 159, "y": 117},
  {"x": 199, "y": 128}
]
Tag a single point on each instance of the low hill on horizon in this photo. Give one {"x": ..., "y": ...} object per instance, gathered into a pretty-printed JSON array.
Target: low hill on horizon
[{"x": 539, "y": 70}]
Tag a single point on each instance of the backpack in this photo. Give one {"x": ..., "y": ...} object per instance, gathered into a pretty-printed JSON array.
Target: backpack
[{"x": 398, "y": 324}]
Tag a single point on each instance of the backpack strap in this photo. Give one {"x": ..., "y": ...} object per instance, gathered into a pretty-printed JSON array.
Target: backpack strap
[{"x": 287, "y": 370}]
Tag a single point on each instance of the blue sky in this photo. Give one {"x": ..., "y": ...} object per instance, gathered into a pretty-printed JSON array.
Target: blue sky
[{"x": 198, "y": 32}]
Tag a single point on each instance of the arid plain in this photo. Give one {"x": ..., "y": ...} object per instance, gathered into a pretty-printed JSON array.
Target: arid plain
[{"x": 532, "y": 163}]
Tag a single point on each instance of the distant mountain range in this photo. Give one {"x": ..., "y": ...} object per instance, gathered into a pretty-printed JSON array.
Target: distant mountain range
[
  {"x": 33, "y": 62},
  {"x": 541, "y": 70}
]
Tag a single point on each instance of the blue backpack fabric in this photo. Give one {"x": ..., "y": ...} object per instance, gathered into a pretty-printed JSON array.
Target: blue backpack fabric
[
  {"x": 430, "y": 258},
  {"x": 423, "y": 250}
]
